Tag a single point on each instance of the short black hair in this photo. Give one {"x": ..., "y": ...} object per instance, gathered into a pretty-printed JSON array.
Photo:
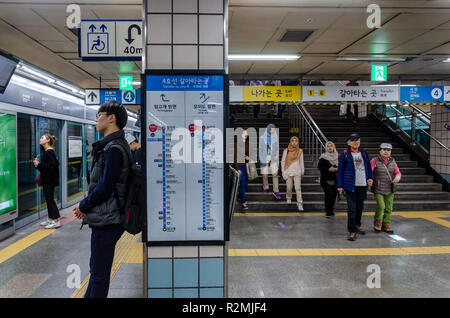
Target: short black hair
[{"x": 117, "y": 109}]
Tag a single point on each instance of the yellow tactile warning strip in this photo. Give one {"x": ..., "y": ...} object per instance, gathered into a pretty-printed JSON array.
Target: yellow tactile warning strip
[
  {"x": 22, "y": 244},
  {"x": 432, "y": 216},
  {"x": 340, "y": 251},
  {"x": 126, "y": 249}
]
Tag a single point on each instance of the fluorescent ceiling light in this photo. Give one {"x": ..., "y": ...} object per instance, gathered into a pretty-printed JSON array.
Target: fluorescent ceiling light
[
  {"x": 82, "y": 93},
  {"x": 29, "y": 70},
  {"x": 263, "y": 57},
  {"x": 371, "y": 59},
  {"x": 136, "y": 83},
  {"x": 19, "y": 79},
  {"x": 447, "y": 60}
]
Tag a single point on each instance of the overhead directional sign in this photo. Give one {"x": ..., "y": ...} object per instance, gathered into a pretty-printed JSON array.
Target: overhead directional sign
[
  {"x": 422, "y": 93},
  {"x": 92, "y": 97},
  {"x": 101, "y": 96},
  {"x": 110, "y": 40}
]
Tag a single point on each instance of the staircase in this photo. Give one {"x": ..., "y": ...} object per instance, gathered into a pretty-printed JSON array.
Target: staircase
[{"x": 415, "y": 192}]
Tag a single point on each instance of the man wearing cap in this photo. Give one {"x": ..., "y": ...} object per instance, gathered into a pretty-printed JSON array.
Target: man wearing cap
[
  {"x": 386, "y": 173},
  {"x": 136, "y": 150},
  {"x": 353, "y": 176}
]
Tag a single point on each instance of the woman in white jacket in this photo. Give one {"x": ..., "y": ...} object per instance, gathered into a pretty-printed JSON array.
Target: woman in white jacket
[{"x": 293, "y": 170}]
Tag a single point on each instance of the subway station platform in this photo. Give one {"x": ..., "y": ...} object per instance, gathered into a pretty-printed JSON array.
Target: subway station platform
[{"x": 282, "y": 255}]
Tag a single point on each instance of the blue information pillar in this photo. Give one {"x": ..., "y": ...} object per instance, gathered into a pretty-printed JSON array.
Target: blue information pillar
[{"x": 184, "y": 110}]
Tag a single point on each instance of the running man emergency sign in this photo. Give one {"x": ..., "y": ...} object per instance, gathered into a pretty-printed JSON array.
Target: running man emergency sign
[{"x": 379, "y": 73}]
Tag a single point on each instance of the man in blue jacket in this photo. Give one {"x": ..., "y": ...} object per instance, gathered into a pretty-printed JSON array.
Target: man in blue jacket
[
  {"x": 101, "y": 209},
  {"x": 353, "y": 176}
]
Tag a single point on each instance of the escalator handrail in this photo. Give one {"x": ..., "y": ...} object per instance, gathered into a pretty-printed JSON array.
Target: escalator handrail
[{"x": 417, "y": 127}]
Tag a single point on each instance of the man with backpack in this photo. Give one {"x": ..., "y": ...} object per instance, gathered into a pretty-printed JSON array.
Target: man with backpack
[
  {"x": 102, "y": 209},
  {"x": 354, "y": 175}
]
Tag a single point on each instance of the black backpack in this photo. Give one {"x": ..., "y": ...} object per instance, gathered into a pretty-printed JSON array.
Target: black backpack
[{"x": 133, "y": 213}]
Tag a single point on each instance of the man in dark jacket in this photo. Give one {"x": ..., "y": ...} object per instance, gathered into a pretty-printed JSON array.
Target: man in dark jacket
[
  {"x": 107, "y": 190},
  {"x": 354, "y": 175},
  {"x": 136, "y": 150}
]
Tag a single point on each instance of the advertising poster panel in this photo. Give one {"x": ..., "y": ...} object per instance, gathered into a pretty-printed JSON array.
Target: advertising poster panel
[{"x": 8, "y": 168}]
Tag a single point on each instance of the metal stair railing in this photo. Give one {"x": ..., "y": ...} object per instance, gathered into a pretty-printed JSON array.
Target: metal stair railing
[
  {"x": 411, "y": 117},
  {"x": 309, "y": 133}
]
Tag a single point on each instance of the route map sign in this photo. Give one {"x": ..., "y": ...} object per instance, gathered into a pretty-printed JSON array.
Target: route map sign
[
  {"x": 106, "y": 40},
  {"x": 185, "y": 169}
]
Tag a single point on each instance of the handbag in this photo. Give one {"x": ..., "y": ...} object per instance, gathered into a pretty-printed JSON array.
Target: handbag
[
  {"x": 252, "y": 173},
  {"x": 38, "y": 180},
  {"x": 393, "y": 187}
]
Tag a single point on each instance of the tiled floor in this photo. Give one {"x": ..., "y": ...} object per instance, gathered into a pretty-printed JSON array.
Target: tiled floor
[{"x": 44, "y": 268}]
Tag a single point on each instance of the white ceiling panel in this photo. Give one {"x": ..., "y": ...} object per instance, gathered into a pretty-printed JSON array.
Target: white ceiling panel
[
  {"x": 60, "y": 46},
  {"x": 264, "y": 18},
  {"x": 330, "y": 48},
  {"x": 390, "y": 36},
  {"x": 250, "y": 47},
  {"x": 21, "y": 16},
  {"x": 117, "y": 12},
  {"x": 57, "y": 16},
  {"x": 255, "y": 34},
  {"x": 309, "y": 20},
  {"x": 443, "y": 49},
  {"x": 437, "y": 68},
  {"x": 445, "y": 26},
  {"x": 411, "y": 21},
  {"x": 264, "y": 67},
  {"x": 410, "y": 67},
  {"x": 434, "y": 36},
  {"x": 336, "y": 67},
  {"x": 411, "y": 48},
  {"x": 357, "y": 20},
  {"x": 283, "y": 48},
  {"x": 239, "y": 67},
  {"x": 368, "y": 48},
  {"x": 43, "y": 33},
  {"x": 341, "y": 36}
]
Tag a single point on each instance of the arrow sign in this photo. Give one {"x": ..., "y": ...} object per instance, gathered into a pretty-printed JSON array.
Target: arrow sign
[
  {"x": 92, "y": 28},
  {"x": 92, "y": 96},
  {"x": 284, "y": 227},
  {"x": 130, "y": 28},
  {"x": 162, "y": 98},
  {"x": 103, "y": 27}
]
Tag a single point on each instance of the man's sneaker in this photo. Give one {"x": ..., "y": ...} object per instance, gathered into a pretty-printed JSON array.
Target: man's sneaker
[
  {"x": 288, "y": 201},
  {"x": 277, "y": 195},
  {"x": 264, "y": 191},
  {"x": 53, "y": 225},
  {"x": 352, "y": 237},
  {"x": 45, "y": 223},
  {"x": 300, "y": 207},
  {"x": 244, "y": 206},
  {"x": 387, "y": 228},
  {"x": 377, "y": 226},
  {"x": 362, "y": 232}
]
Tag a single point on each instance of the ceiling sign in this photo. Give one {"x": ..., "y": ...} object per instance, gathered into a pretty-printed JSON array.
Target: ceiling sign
[
  {"x": 101, "y": 96},
  {"x": 422, "y": 93},
  {"x": 271, "y": 93},
  {"x": 106, "y": 40},
  {"x": 350, "y": 93}
]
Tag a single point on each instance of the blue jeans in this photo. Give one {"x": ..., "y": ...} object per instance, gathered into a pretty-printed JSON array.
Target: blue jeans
[
  {"x": 103, "y": 244},
  {"x": 355, "y": 206},
  {"x": 243, "y": 183}
]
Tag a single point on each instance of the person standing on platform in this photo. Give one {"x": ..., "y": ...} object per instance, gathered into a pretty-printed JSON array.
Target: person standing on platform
[
  {"x": 353, "y": 176},
  {"x": 241, "y": 167},
  {"x": 293, "y": 170},
  {"x": 386, "y": 174},
  {"x": 269, "y": 158},
  {"x": 49, "y": 170},
  {"x": 136, "y": 150},
  {"x": 107, "y": 190},
  {"x": 328, "y": 166}
]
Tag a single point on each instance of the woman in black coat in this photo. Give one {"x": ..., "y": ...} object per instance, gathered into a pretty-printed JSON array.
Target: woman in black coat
[
  {"x": 327, "y": 165},
  {"x": 49, "y": 170}
]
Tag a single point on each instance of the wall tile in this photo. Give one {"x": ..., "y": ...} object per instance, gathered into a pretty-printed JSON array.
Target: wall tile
[
  {"x": 185, "y": 29},
  {"x": 159, "y": 273},
  {"x": 185, "y": 272},
  {"x": 211, "y": 29},
  {"x": 159, "y": 29},
  {"x": 159, "y": 57},
  {"x": 185, "y": 6},
  {"x": 159, "y": 6},
  {"x": 211, "y": 57}
]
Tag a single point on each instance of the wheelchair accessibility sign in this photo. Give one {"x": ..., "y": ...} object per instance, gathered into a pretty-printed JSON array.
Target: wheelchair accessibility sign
[
  {"x": 96, "y": 38},
  {"x": 103, "y": 40}
]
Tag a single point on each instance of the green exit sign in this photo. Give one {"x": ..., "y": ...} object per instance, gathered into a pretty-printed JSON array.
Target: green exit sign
[
  {"x": 126, "y": 82},
  {"x": 379, "y": 72}
]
